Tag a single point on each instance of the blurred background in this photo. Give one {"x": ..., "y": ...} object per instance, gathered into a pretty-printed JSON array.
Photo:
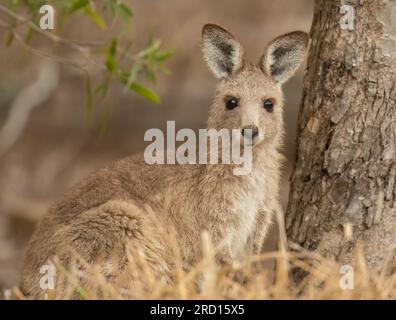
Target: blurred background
[{"x": 47, "y": 141}]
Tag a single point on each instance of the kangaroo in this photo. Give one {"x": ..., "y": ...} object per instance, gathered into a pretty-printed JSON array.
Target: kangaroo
[{"x": 125, "y": 205}]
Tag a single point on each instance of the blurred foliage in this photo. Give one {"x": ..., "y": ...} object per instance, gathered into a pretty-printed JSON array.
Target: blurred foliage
[{"x": 119, "y": 65}]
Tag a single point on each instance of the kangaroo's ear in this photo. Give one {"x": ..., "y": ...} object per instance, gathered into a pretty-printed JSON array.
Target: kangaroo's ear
[
  {"x": 284, "y": 55},
  {"x": 222, "y": 52}
]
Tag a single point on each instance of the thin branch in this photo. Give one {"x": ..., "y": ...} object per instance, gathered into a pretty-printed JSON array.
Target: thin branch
[
  {"x": 82, "y": 47},
  {"x": 79, "y": 46},
  {"x": 43, "y": 54},
  {"x": 29, "y": 98},
  {"x": 75, "y": 44}
]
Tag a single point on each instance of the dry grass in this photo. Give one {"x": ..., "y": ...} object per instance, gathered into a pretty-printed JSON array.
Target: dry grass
[
  {"x": 247, "y": 280},
  {"x": 154, "y": 269}
]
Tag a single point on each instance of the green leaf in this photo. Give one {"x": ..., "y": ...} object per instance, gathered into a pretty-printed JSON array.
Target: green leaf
[
  {"x": 124, "y": 11},
  {"x": 150, "y": 74},
  {"x": 94, "y": 15},
  {"x": 166, "y": 71},
  {"x": 151, "y": 47},
  {"x": 162, "y": 56},
  {"x": 88, "y": 95},
  {"x": 119, "y": 8},
  {"x": 133, "y": 74},
  {"x": 15, "y": 2},
  {"x": 82, "y": 293},
  {"x": 111, "y": 61},
  {"x": 102, "y": 88},
  {"x": 76, "y": 5},
  {"x": 29, "y": 35},
  {"x": 145, "y": 92},
  {"x": 111, "y": 5},
  {"x": 10, "y": 39}
]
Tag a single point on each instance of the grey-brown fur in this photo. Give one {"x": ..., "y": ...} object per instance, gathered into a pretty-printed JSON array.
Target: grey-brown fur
[{"x": 123, "y": 206}]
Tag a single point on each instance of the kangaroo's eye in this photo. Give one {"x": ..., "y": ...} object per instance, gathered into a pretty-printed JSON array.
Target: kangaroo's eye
[
  {"x": 231, "y": 103},
  {"x": 269, "y": 105}
]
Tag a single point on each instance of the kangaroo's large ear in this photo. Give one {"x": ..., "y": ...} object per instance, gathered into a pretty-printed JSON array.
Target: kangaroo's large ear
[
  {"x": 222, "y": 52},
  {"x": 284, "y": 55}
]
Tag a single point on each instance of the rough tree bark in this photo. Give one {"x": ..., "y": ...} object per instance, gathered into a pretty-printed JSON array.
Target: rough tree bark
[{"x": 346, "y": 157}]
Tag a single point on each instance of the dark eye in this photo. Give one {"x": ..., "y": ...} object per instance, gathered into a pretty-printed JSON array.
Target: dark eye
[
  {"x": 269, "y": 105},
  {"x": 231, "y": 103}
]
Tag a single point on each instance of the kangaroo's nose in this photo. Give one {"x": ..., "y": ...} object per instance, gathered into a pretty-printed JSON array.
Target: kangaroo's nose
[{"x": 250, "y": 132}]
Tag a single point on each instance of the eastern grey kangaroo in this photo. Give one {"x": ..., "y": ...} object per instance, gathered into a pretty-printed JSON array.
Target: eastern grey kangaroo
[{"x": 126, "y": 204}]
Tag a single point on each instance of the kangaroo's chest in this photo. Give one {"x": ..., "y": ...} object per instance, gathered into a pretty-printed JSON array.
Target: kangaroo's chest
[{"x": 245, "y": 210}]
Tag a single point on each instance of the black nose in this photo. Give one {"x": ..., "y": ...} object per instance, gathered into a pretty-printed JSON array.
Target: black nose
[{"x": 253, "y": 133}]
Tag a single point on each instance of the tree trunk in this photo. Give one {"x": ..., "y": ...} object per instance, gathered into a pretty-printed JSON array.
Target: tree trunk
[{"x": 346, "y": 157}]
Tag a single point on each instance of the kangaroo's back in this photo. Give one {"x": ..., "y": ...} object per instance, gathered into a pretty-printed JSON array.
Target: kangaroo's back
[{"x": 96, "y": 215}]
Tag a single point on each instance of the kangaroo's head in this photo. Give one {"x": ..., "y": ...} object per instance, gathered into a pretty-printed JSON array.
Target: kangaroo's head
[{"x": 250, "y": 96}]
